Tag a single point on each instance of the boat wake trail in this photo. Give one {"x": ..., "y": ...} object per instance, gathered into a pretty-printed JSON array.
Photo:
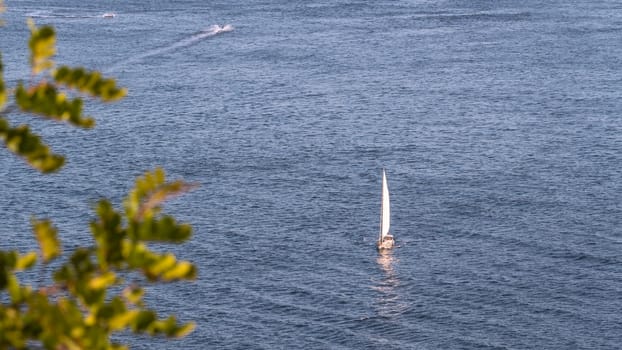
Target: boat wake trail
[
  {"x": 67, "y": 15},
  {"x": 210, "y": 31},
  {"x": 193, "y": 39}
]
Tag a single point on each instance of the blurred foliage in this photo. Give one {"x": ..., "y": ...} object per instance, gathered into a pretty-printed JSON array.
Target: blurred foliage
[
  {"x": 90, "y": 297},
  {"x": 80, "y": 310},
  {"x": 53, "y": 93}
]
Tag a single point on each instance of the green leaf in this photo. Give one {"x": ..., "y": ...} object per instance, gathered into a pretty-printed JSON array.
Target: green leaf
[
  {"x": 26, "y": 261},
  {"x": 119, "y": 347},
  {"x": 143, "y": 320},
  {"x": 170, "y": 327},
  {"x": 183, "y": 330},
  {"x": 8, "y": 260},
  {"x": 89, "y": 82},
  {"x": 166, "y": 262},
  {"x": 17, "y": 292},
  {"x": 134, "y": 294},
  {"x": 157, "y": 267},
  {"x": 122, "y": 320},
  {"x": 76, "y": 274},
  {"x": 45, "y": 100},
  {"x": 42, "y": 45},
  {"x": 149, "y": 192},
  {"x": 165, "y": 229},
  {"x": 46, "y": 235},
  {"x": 182, "y": 270},
  {"x": 108, "y": 234},
  {"x": 103, "y": 281},
  {"x": 21, "y": 141}
]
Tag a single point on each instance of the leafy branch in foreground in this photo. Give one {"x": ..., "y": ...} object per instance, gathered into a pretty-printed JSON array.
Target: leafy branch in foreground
[
  {"x": 80, "y": 310},
  {"x": 52, "y": 93},
  {"x": 91, "y": 296}
]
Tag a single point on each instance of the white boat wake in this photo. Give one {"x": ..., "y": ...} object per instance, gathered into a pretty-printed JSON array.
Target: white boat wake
[
  {"x": 193, "y": 39},
  {"x": 210, "y": 31},
  {"x": 67, "y": 15}
]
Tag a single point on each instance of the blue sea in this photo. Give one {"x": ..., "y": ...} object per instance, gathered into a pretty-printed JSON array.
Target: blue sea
[{"x": 499, "y": 124}]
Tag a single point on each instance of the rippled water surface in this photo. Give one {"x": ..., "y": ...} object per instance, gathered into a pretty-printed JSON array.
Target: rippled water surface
[{"x": 498, "y": 123}]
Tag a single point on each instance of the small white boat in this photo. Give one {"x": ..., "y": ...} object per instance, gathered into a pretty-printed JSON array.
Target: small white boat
[
  {"x": 109, "y": 15},
  {"x": 215, "y": 28},
  {"x": 385, "y": 239}
]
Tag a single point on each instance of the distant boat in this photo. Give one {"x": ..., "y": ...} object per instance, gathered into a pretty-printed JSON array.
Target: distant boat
[
  {"x": 215, "y": 28},
  {"x": 385, "y": 239},
  {"x": 109, "y": 15}
]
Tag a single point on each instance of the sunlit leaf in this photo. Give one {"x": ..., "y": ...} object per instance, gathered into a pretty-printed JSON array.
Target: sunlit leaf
[
  {"x": 21, "y": 141},
  {"x": 170, "y": 328},
  {"x": 103, "y": 281},
  {"x": 26, "y": 261},
  {"x": 150, "y": 191},
  {"x": 46, "y": 235},
  {"x": 166, "y": 267},
  {"x": 42, "y": 47},
  {"x": 77, "y": 331},
  {"x": 123, "y": 320},
  {"x": 183, "y": 330},
  {"x": 119, "y": 347},
  {"x": 17, "y": 292},
  {"x": 45, "y": 100},
  {"x": 89, "y": 82},
  {"x": 165, "y": 263},
  {"x": 133, "y": 294},
  {"x": 182, "y": 270}
]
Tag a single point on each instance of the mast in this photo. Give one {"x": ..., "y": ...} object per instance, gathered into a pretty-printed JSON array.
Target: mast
[
  {"x": 381, "y": 207},
  {"x": 386, "y": 207}
]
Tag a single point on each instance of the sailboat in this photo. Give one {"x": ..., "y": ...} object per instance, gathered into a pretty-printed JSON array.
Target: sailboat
[{"x": 385, "y": 239}]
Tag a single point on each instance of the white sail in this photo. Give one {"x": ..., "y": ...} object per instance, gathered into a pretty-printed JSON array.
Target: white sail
[{"x": 385, "y": 213}]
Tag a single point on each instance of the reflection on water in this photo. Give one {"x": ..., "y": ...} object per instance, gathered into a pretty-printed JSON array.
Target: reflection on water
[
  {"x": 389, "y": 302},
  {"x": 386, "y": 260}
]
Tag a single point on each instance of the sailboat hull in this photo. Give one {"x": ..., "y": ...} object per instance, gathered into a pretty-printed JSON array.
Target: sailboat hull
[{"x": 386, "y": 243}]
